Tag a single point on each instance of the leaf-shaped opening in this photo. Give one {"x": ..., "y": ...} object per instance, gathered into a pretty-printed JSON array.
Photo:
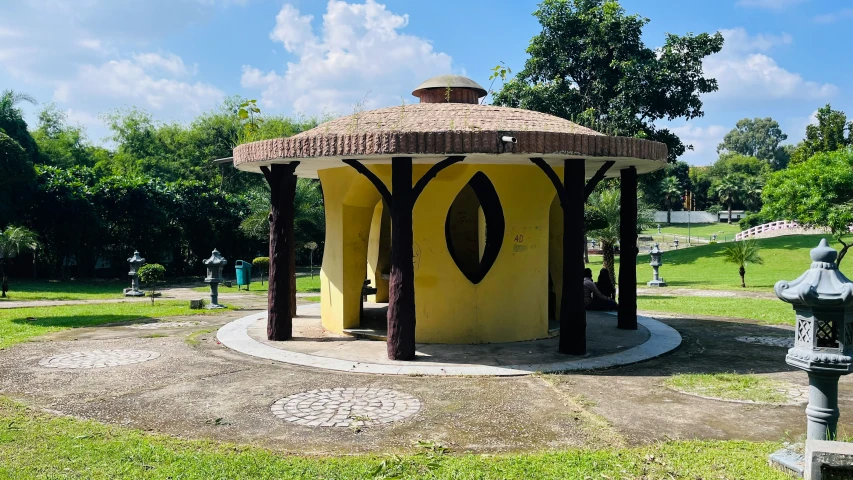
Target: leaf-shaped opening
[{"x": 474, "y": 228}]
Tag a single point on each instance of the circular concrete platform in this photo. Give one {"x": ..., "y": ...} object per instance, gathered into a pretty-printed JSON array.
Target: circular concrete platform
[{"x": 314, "y": 347}]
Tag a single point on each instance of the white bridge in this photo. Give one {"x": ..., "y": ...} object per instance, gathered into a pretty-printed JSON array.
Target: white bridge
[{"x": 777, "y": 229}]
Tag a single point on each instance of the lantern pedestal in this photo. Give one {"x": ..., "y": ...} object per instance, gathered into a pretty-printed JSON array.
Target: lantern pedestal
[
  {"x": 822, "y": 298},
  {"x": 214, "y": 277},
  {"x": 135, "y": 262},
  {"x": 656, "y": 262}
]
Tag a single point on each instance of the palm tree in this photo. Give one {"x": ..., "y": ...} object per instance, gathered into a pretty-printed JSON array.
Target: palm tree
[
  {"x": 741, "y": 253},
  {"x": 751, "y": 189},
  {"x": 603, "y": 206},
  {"x": 671, "y": 190},
  {"x": 12, "y": 241},
  {"x": 12, "y": 121},
  {"x": 729, "y": 189}
]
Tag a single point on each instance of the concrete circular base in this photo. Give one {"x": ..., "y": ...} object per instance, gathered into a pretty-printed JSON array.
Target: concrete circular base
[{"x": 367, "y": 356}]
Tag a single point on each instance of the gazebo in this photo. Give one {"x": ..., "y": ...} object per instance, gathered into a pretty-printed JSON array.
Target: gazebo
[{"x": 457, "y": 213}]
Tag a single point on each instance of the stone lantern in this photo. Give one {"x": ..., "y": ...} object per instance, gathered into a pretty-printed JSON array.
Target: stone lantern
[
  {"x": 675, "y": 242},
  {"x": 822, "y": 298},
  {"x": 714, "y": 237},
  {"x": 214, "y": 276},
  {"x": 656, "y": 262},
  {"x": 135, "y": 262}
]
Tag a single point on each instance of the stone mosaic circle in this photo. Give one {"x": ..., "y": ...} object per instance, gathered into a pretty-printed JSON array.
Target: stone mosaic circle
[
  {"x": 98, "y": 359},
  {"x": 786, "y": 342},
  {"x": 345, "y": 407},
  {"x": 156, "y": 325}
]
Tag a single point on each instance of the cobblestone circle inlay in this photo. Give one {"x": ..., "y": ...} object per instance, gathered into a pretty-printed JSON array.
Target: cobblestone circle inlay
[
  {"x": 155, "y": 325},
  {"x": 346, "y": 407},
  {"x": 98, "y": 359},
  {"x": 786, "y": 342}
]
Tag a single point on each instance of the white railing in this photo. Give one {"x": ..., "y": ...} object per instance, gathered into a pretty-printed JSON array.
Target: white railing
[{"x": 775, "y": 229}]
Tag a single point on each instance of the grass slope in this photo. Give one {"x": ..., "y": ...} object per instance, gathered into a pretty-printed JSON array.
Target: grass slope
[
  {"x": 37, "y": 446},
  {"x": 20, "y": 324},
  {"x": 785, "y": 258},
  {"x": 701, "y": 230}
]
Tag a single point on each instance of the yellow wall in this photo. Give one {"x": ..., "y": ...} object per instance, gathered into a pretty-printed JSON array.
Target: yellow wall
[
  {"x": 509, "y": 304},
  {"x": 379, "y": 253},
  {"x": 555, "y": 255}
]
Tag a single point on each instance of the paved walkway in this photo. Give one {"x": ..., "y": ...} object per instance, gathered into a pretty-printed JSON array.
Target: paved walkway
[
  {"x": 314, "y": 347},
  {"x": 692, "y": 292}
]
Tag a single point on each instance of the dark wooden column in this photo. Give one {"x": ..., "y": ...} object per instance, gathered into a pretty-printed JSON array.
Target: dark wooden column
[
  {"x": 401, "y": 281},
  {"x": 627, "y": 315},
  {"x": 572, "y": 308},
  {"x": 572, "y": 199},
  {"x": 281, "y": 297}
]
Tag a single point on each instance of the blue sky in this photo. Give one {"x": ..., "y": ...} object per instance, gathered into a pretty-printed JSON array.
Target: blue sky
[{"x": 177, "y": 58}]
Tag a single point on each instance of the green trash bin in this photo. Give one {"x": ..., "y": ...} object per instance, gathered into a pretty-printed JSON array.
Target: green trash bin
[{"x": 244, "y": 273}]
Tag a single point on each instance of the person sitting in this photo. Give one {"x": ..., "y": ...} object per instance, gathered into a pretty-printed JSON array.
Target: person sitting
[
  {"x": 593, "y": 299},
  {"x": 605, "y": 285}
]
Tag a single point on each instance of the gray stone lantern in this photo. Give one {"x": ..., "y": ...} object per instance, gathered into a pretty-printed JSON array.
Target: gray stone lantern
[
  {"x": 714, "y": 237},
  {"x": 656, "y": 262},
  {"x": 822, "y": 298},
  {"x": 675, "y": 242},
  {"x": 215, "y": 264},
  {"x": 593, "y": 244},
  {"x": 658, "y": 228},
  {"x": 135, "y": 262}
]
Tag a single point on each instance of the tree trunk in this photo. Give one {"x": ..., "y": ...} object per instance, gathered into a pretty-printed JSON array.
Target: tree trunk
[
  {"x": 742, "y": 272},
  {"x": 401, "y": 281},
  {"x": 842, "y": 252},
  {"x": 627, "y": 313},
  {"x": 669, "y": 215},
  {"x": 730, "y": 213},
  {"x": 585, "y": 250},
  {"x": 572, "y": 308},
  {"x": 281, "y": 295}
]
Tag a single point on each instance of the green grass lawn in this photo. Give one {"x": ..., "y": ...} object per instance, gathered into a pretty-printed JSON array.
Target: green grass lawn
[
  {"x": 21, "y": 324},
  {"x": 728, "y": 386},
  {"x": 701, "y": 230},
  {"x": 304, "y": 284},
  {"x": 767, "y": 311},
  {"x": 785, "y": 258},
  {"x": 35, "y": 445},
  {"x": 63, "y": 290}
]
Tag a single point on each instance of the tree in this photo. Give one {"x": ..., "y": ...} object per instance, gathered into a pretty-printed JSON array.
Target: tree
[
  {"x": 151, "y": 273},
  {"x": 827, "y": 136},
  {"x": 64, "y": 145},
  {"x": 13, "y": 124},
  {"x": 16, "y": 179},
  {"x": 671, "y": 191},
  {"x": 759, "y": 138},
  {"x": 728, "y": 190},
  {"x": 589, "y": 64},
  {"x": 602, "y": 219},
  {"x": 750, "y": 192},
  {"x": 263, "y": 264},
  {"x": 817, "y": 193},
  {"x": 13, "y": 240},
  {"x": 742, "y": 253}
]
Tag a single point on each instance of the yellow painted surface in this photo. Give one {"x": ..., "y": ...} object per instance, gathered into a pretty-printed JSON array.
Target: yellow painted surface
[
  {"x": 379, "y": 253},
  {"x": 509, "y": 304}
]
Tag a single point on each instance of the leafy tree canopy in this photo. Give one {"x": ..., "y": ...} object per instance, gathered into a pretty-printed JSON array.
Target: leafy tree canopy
[
  {"x": 818, "y": 192},
  {"x": 827, "y": 136},
  {"x": 12, "y": 121},
  {"x": 759, "y": 138},
  {"x": 590, "y": 64}
]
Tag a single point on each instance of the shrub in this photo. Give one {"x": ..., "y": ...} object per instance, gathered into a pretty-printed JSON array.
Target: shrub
[
  {"x": 151, "y": 274},
  {"x": 263, "y": 265}
]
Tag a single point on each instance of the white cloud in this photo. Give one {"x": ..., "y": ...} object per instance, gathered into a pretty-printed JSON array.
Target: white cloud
[
  {"x": 359, "y": 53},
  {"x": 834, "y": 17},
  {"x": 704, "y": 141},
  {"x": 777, "y": 5},
  {"x": 746, "y": 74},
  {"x": 146, "y": 80}
]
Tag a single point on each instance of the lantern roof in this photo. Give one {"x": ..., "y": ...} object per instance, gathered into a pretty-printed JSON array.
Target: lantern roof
[
  {"x": 135, "y": 258},
  {"x": 821, "y": 285},
  {"x": 216, "y": 258}
]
